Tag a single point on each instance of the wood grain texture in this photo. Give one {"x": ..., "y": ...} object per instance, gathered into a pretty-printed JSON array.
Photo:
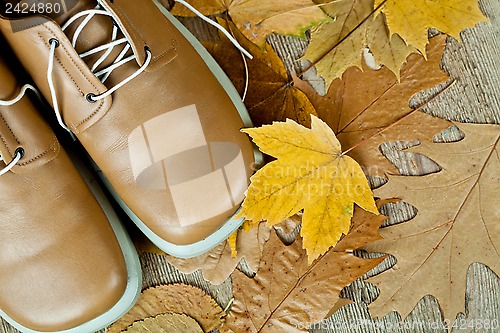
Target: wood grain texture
[{"x": 475, "y": 63}]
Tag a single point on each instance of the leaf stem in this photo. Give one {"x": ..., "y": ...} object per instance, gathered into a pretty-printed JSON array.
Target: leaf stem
[
  {"x": 400, "y": 120},
  {"x": 228, "y": 306}
]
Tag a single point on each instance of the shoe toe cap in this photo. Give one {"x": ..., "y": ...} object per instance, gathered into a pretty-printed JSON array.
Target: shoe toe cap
[{"x": 55, "y": 284}]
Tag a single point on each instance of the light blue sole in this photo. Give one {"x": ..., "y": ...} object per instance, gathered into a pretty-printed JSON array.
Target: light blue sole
[
  {"x": 134, "y": 272},
  {"x": 202, "y": 246}
]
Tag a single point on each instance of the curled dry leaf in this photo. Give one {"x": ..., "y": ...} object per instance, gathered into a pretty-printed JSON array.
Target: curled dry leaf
[
  {"x": 257, "y": 18},
  {"x": 287, "y": 290},
  {"x": 174, "y": 298},
  {"x": 166, "y": 323},
  {"x": 364, "y": 102},
  {"x": 412, "y": 18},
  {"x": 456, "y": 224},
  {"x": 233, "y": 239},
  {"x": 311, "y": 173},
  {"x": 288, "y": 229},
  {"x": 218, "y": 264},
  {"x": 270, "y": 96}
]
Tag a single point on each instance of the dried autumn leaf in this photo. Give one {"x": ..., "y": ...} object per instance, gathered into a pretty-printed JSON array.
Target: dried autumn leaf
[
  {"x": 336, "y": 46},
  {"x": 166, "y": 323},
  {"x": 310, "y": 173},
  {"x": 287, "y": 290},
  {"x": 364, "y": 102},
  {"x": 217, "y": 264},
  {"x": 257, "y": 18},
  {"x": 233, "y": 239},
  {"x": 270, "y": 95},
  {"x": 389, "y": 50},
  {"x": 174, "y": 298},
  {"x": 411, "y": 19},
  {"x": 287, "y": 229},
  {"x": 456, "y": 224}
]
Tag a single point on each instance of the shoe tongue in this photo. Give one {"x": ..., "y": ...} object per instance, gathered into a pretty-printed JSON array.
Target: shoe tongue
[
  {"x": 68, "y": 8},
  {"x": 98, "y": 31}
]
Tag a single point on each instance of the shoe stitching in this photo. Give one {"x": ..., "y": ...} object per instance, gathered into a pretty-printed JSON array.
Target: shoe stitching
[
  {"x": 5, "y": 144},
  {"x": 130, "y": 27},
  {"x": 175, "y": 48},
  {"x": 54, "y": 147},
  {"x": 89, "y": 117},
  {"x": 60, "y": 63},
  {"x": 101, "y": 104},
  {"x": 11, "y": 132},
  {"x": 126, "y": 22}
]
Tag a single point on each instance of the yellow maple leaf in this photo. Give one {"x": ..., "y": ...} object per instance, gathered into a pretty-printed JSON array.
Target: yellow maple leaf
[
  {"x": 412, "y": 18},
  {"x": 232, "y": 243},
  {"x": 336, "y": 46},
  {"x": 310, "y": 173}
]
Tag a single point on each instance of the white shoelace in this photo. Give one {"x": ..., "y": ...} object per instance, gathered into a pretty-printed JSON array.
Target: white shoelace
[
  {"x": 218, "y": 26},
  {"x": 102, "y": 74},
  {"x": 19, "y": 151},
  {"x": 119, "y": 61},
  {"x": 9, "y": 166},
  {"x": 19, "y": 96}
]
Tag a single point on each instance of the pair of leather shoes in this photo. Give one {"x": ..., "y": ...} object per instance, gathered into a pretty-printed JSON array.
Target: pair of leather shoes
[{"x": 160, "y": 123}]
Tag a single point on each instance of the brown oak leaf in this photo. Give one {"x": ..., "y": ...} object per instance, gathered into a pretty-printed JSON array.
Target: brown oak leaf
[
  {"x": 364, "y": 102},
  {"x": 457, "y": 224},
  {"x": 287, "y": 291}
]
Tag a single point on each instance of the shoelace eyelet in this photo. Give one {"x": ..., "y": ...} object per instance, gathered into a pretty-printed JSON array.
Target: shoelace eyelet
[
  {"x": 20, "y": 151},
  {"x": 9, "y": 166},
  {"x": 90, "y": 98},
  {"x": 54, "y": 41}
]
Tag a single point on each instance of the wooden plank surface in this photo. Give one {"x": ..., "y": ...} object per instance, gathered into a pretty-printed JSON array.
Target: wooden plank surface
[{"x": 475, "y": 63}]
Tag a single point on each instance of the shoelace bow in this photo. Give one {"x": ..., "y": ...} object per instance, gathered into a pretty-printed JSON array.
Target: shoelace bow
[
  {"x": 19, "y": 153},
  {"x": 120, "y": 60}
]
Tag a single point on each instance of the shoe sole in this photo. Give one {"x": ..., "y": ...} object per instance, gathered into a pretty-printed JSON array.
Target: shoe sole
[
  {"x": 206, "y": 244},
  {"x": 134, "y": 271}
]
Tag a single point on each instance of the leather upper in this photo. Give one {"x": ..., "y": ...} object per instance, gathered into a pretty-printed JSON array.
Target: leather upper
[
  {"x": 169, "y": 141},
  {"x": 60, "y": 262}
]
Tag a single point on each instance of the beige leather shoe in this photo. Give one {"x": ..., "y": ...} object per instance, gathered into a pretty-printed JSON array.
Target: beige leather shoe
[
  {"x": 66, "y": 264},
  {"x": 154, "y": 111}
]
